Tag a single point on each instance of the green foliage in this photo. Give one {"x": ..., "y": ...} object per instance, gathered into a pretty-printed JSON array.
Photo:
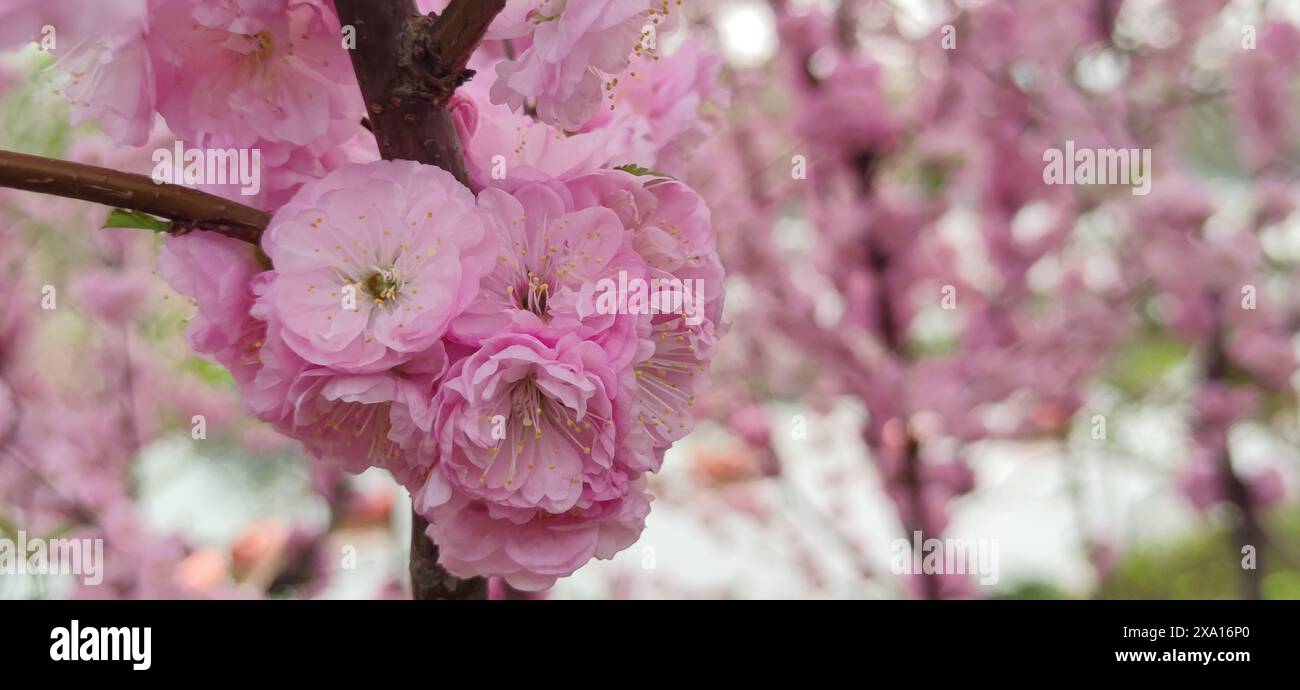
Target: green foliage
[
  {"x": 211, "y": 374},
  {"x": 1206, "y": 565},
  {"x": 122, "y": 218},
  {"x": 640, "y": 171},
  {"x": 1033, "y": 590},
  {"x": 1202, "y": 565}
]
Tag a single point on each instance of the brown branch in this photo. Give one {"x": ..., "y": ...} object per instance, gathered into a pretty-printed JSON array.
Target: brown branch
[
  {"x": 430, "y": 580},
  {"x": 187, "y": 208},
  {"x": 459, "y": 29},
  {"x": 408, "y": 66}
]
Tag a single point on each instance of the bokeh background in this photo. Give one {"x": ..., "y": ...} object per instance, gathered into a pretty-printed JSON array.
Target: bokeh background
[{"x": 923, "y": 334}]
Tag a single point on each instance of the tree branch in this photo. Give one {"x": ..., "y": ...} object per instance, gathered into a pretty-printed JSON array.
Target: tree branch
[
  {"x": 430, "y": 580},
  {"x": 187, "y": 208},
  {"x": 459, "y": 29},
  {"x": 408, "y": 66}
]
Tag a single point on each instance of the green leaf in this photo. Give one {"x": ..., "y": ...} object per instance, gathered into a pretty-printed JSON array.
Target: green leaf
[
  {"x": 640, "y": 171},
  {"x": 122, "y": 218},
  {"x": 212, "y": 374}
]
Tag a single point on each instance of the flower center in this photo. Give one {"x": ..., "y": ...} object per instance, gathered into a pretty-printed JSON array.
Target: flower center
[
  {"x": 533, "y": 295},
  {"x": 265, "y": 42},
  {"x": 526, "y": 405},
  {"x": 383, "y": 285}
]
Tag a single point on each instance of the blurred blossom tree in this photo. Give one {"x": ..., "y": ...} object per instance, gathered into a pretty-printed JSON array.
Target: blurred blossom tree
[
  {"x": 410, "y": 281},
  {"x": 936, "y": 276}
]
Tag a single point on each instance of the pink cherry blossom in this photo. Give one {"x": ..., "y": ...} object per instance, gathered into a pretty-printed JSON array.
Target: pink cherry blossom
[
  {"x": 506, "y": 150},
  {"x": 531, "y": 552},
  {"x": 345, "y": 420},
  {"x": 529, "y": 549},
  {"x": 218, "y": 273},
  {"x": 575, "y": 46},
  {"x": 921, "y": 272},
  {"x": 548, "y": 257},
  {"x": 73, "y": 20},
  {"x": 559, "y": 419},
  {"x": 253, "y": 71},
  {"x": 373, "y": 262},
  {"x": 111, "y": 80},
  {"x": 656, "y": 118},
  {"x": 670, "y": 228},
  {"x": 532, "y": 481},
  {"x": 342, "y": 419}
]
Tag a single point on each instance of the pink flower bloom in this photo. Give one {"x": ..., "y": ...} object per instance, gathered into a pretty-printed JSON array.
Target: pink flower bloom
[
  {"x": 526, "y": 425},
  {"x": 575, "y": 46},
  {"x": 508, "y": 150},
  {"x": 670, "y": 228},
  {"x": 264, "y": 74},
  {"x": 669, "y": 224},
  {"x": 346, "y": 420},
  {"x": 73, "y": 20},
  {"x": 218, "y": 273},
  {"x": 285, "y": 168},
  {"x": 656, "y": 119},
  {"x": 546, "y": 256},
  {"x": 529, "y": 549},
  {"x": 373, "y": 262},
  {"x": 253, "y": 71},
  {"x": 534, "y": 473},
  {"x": 111, "y": 80}
]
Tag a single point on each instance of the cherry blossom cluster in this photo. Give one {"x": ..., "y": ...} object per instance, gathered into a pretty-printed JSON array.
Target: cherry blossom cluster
[{"x": 457, "y": 336}]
